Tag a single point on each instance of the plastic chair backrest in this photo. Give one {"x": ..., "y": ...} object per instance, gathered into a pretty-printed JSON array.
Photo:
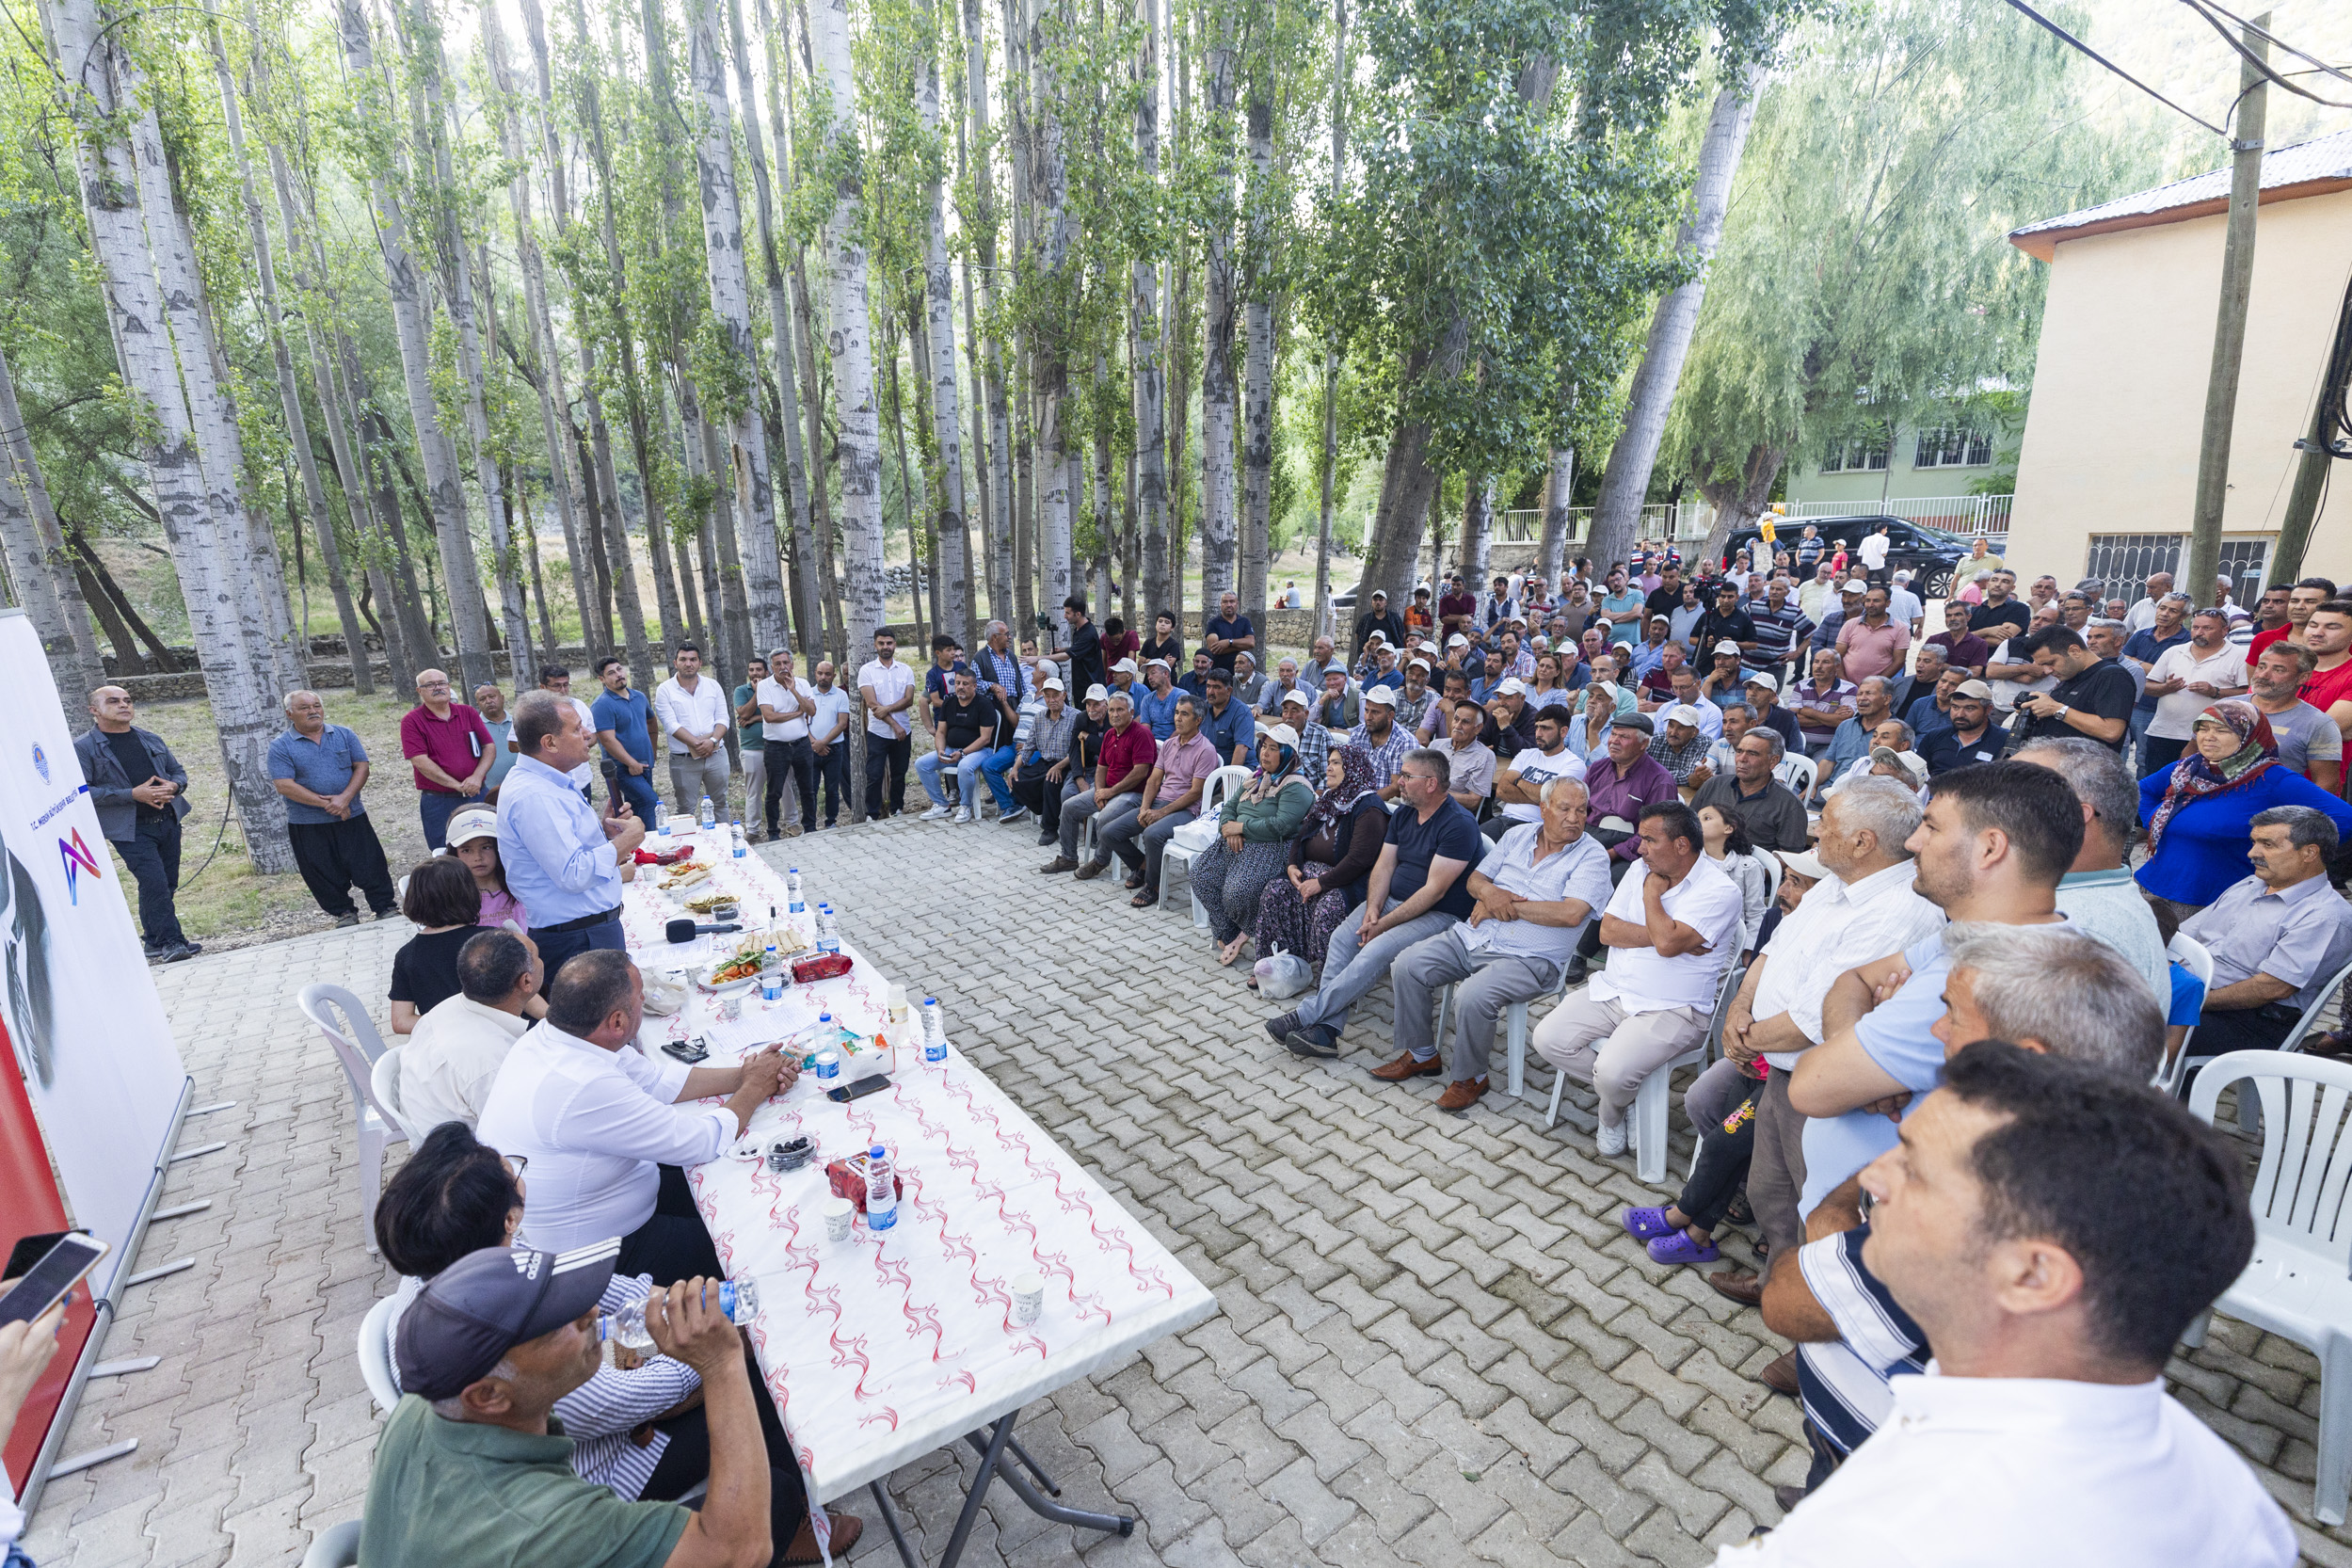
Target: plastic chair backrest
[
  {"x": 375, "y": 1365},
  {"x": 384, "y": 1084},
  {"x": 2297, "y": 1193},
  {"x": 1733, "y": 975},
  {"x": 1772, "y": 868},
  {"x": 2311, "y": 1016},
  {"x": 1798, "y": 771},
  {"x": 1221, "y": 784},
  {"x": 358, "y": 1055},
  {"x": 2191, "y": 955}
]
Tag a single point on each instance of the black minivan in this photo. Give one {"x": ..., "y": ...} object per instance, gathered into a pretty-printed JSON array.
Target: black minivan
[{"x": 1930, "y": 555}]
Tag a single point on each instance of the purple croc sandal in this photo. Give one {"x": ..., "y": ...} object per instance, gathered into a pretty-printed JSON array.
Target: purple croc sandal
[
  {"x": 1643, "y": 1223},
  {"x": 1680, "y": 1248}
]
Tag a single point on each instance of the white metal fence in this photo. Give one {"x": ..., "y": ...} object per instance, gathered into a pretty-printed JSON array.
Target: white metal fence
[{"x": 1689, "y": 521}]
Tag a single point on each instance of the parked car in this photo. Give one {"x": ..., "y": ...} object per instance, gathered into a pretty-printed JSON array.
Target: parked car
[{"x": 1930, "y": 555}]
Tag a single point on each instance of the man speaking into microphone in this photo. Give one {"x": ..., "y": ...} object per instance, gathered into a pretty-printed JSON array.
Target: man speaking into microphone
[{"x": 566, "y": 863}]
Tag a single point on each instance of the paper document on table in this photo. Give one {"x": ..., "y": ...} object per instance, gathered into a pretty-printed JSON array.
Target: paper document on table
[{"x": 762, "y": 1023}]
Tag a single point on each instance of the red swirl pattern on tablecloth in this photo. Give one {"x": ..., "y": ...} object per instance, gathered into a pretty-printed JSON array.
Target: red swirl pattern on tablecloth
[{"x": 882, "y": 1346}]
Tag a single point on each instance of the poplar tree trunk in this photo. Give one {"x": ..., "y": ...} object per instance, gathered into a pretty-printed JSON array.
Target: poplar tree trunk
[
  {"x": 467, "y": 621},
  {"x": 808, "y": 618},
  {"x": 1150, "y": 377},
  {"x": 1478, "y": 530},
  {"x": 1329, "y": 465},
  {"x": 861, "y": 440},
  {"x": 1258, "y": 364},
  {"x": 1555, "y": 550},
  {"x": 191, "y": 452},
  {"x": 1049, "y": 192},
  {"x": 984, "y": 240},
  {"x": 747, "y": 469},
  {"x": 1217, "y": 518},
  {"x": 600, "y": 485},
  {"x": 1617, "y": 514},
  {"x": 289, "y": 391},
  {"x": 951, "y": 565},
  {"x": 46, "y": 588}
]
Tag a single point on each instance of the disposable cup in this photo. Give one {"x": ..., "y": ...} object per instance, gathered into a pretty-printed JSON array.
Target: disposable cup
[
  {"x": 1029, "y": 1298},
  {"x": 839, "y": 1213}
]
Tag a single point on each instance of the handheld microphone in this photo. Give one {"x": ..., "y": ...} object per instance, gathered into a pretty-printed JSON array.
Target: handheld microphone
[{"x": 684, "y": 930}]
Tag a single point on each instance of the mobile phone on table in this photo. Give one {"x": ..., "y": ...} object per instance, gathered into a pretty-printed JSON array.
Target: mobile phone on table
[
  {"x": 48, "y": 1280},
  {"x": 871, "y": 1083}
]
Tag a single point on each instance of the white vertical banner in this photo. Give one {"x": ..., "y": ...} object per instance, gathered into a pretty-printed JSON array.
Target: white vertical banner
[{"x": 89, "y": 1031}]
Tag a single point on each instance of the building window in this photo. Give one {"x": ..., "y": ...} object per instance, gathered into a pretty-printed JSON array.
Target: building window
[
  {"x": 2123, "y": 563},
  {"x": 2242, "y": 563},
  {"x": 1865, "y": 453},
  {"x": 1955, "y": 447}
]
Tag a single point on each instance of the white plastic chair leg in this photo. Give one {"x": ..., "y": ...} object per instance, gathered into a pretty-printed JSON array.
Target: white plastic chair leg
[
  {"x": 1515, "y": 1022},
  {"x": 2334, "y": 1487},
  {"x": 1200, "y": 912},
  {"x": 1559, "y": 1081},
  {"x": 2193, "y": 1336},
  {"x": 373, "y": 1137},
  {"x": 1649, "y": 1126}
]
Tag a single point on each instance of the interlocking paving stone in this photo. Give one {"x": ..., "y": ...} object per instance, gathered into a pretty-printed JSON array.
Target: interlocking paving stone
[{"x": 1437, "y": 1346}]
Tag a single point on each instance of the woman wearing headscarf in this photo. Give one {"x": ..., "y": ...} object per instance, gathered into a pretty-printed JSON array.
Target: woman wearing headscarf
[
  {"x": 2200, "y": 810},
  {"x": 1329, "y": 860},
  {"x": 1253, "y": 838}
]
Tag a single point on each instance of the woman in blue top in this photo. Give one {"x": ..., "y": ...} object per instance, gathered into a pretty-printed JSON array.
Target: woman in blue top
[{"x": 2200, "y": 810}]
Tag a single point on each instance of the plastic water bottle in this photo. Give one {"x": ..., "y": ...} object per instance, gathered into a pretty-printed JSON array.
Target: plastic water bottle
[
  {"x": 738, "y": 1299},
  {"x": 770, "y": 956},
  {"x": 707, "y": 816},
  {"x": 661, "y": 819},
  {"x": 797, "y": 913},
  {"x": 829, "y": 930},
  {"x": 934, "y": 1032},
  {"x": 791, "y": 883},
  {"x": 880, "y": 1191},
  {"x": 737, "y": 830}
]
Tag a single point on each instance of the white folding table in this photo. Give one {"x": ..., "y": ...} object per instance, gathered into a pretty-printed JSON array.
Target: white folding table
[{"x": 881, "y": 1347}]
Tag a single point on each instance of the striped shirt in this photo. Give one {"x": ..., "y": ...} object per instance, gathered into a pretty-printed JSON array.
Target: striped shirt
[
  {"x": 1386, "y": 758},
  {"x": 602, "y": 1414},
  {"x": 1846, "y": 1383}
]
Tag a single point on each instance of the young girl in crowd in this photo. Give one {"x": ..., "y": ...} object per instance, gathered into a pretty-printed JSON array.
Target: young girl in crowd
[
  {"x": 444, "y": 900},
  {"x": 1727, "y": 845},
  {"x": 473, "y": 840}
]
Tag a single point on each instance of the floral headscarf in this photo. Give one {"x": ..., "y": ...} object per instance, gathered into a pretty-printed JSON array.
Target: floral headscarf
[
  {"x": 1357, "y": 780},
  {"x": 2194, "y": 777}
]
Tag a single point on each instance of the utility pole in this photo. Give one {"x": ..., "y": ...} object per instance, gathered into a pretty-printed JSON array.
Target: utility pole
[
  {"x": 2229, "y": 338},
  {"x": 2318, "y": 448}
]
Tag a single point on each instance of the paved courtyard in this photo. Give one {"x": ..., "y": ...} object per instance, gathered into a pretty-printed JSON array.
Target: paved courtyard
[{"x": 1436, "y": 1344}]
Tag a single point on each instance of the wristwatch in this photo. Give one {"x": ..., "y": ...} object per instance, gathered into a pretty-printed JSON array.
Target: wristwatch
[{"x": 2063, "y": 711}]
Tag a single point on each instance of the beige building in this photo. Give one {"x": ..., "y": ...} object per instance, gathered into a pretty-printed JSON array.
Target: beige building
[{"x": 2106, "y": 477}]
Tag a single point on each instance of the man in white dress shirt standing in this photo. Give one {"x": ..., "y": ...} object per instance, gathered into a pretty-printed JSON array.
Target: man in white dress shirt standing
[
  {"x": 2011, "y": 1223},
  {"x": 607, "y": 1128},
  {"x": 692, "y": 713}
]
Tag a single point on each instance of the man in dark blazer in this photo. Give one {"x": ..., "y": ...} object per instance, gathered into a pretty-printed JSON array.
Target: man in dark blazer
[{"x": 140, "y": 791}]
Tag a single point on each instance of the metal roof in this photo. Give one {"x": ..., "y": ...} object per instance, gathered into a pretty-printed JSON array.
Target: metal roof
[{"x": 2306, "y": 169}]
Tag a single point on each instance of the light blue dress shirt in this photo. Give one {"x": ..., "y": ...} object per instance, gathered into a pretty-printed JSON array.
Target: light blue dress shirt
[{"x": 552, "y": 845}]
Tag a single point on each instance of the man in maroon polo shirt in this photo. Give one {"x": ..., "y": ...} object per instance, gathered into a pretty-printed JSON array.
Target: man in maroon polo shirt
[
  {"x": 451, "y": 751},
  {"x": 1128, "y": 753}
]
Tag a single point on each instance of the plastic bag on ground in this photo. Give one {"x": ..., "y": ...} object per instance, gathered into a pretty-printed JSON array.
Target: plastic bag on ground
[{"x": 1283, "y": 974}]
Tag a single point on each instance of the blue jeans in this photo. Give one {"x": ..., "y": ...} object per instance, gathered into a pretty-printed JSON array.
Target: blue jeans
[
  {"x": 1353, "y": 967},
  {"x": 966, "y": 767},
  {"x": 993, "y": 767},
  {"x": 435, "y": 809},
  {"x": 152, "y": 852},
  {"x": 638, "y": 790}
]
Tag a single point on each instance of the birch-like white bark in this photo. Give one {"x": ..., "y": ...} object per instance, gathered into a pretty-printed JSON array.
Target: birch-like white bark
[
  {"x": 950, "y": 602},
  {"x": 1149, "y": 374},
  {"x": 46, "y": 588},
  {"x": 1217, "y": 477}
]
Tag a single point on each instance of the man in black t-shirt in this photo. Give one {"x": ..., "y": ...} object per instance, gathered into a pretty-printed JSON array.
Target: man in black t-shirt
[
  {"x": 2093, "y": 697},
  {"x": 1085, "y": 650},
  {"x": 1380, "y": 619},
  {"x": 2002, "y": 607},
  {"x": 1667, "y": 596},
  {"x": 1229, "y": 633},
  {"x": 1725, "y": 623},
  {"x": 964, "y": 737}
]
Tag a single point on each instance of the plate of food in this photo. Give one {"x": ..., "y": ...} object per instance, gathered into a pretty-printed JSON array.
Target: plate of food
[
  {"x": 684, "y": 875},
  {"x": 737, "y": 973},
  {"x": 704, "y": 899}
]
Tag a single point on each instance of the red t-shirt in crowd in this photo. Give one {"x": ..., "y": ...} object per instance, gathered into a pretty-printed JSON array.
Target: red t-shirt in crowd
[
  {"x": 1123, "y": 749},
  {"x": 2323, "y": 689},
  {"x": 2262, "y": 640},
  {"x": 1450, "y": 605},
  {"x": 455, "y": 743}
]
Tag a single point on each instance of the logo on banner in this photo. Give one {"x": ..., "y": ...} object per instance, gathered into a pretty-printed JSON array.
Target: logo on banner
[
  {"x": 77, "y": 859},
  {"x": 41, "y": 762}
]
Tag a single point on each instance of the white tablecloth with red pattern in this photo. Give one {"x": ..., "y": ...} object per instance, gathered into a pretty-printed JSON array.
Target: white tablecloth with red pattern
[{"x": 884, "y": 1347}]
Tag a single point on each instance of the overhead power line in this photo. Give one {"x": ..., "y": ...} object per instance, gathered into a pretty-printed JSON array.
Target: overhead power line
[
  {"x": 2212, "y": 15},
  {"x": 2046, "y": 25}
]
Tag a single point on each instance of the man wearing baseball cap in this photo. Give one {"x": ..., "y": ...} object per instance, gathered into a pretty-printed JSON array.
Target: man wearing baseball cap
[
  {"x": 1155, "y": 707},
  {"x": 1973, "y": 736},
  {"x": 1381, "y": 619},
  {"x": 471, "y": 1469},
  {"x": 1381, "y": 735}
]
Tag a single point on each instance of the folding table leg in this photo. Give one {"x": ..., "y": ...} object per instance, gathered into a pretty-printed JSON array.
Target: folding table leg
[
  {"x": 889, "y": 1517},
  {"x": 1033, "y": 1466},
  {"x": 990, "y": 1454},
  {"x": 1116, "y": 1524}
]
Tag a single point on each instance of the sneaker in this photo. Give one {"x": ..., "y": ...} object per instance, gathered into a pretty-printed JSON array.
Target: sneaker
[
  {"x": 386, "y": 914},
  {"x": 937, "y": 813},
  {"x": 1060, "y": 863},
  {"x": 1015, "y": 815},
  {"x": 1046, "y": 836},
  {"x": 1579, "y": 970},
  {"x": 342, "y": 920},
  {"x": 1320, "y": 1041},
  {"x": 1609, "y": 1141},
  {"x": 184, "y": 950},
  {"x": 963, "y": 815},
  {"x": 1092, "y": 870},
  {"x": 1281, "y": 1025}
]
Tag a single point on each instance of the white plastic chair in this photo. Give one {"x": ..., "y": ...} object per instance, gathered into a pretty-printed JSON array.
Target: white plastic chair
[
  {"x": 384, "y": 1080},
  {"x": 1649, "y": 1101},
  {"x": 337, "y": 1546},
  {"x": 2310, "y": 1020},
  {"x": 1772, "y": 869},
  {"x": 1213, "y": 795},
  {"x": 1515, "y": 1032},
  {"x": 357, "y": 1045},
  {"x": 1798, "y": 772},
  {"x": 2295, "y": 1286},
  {"x": 2191, "y": 953},
  {"x": 376, "y": 1365}
]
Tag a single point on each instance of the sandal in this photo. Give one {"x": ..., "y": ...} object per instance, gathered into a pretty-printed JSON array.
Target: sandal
[
  {"x": 1643, "y": 1223},
  {"x": 1739, "y": 1212},
  {"x": 1680, "y": 1248}
]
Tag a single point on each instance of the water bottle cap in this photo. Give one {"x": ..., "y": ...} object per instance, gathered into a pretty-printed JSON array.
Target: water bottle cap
[
  {"x": 931, "y": 1001},
  {"x": 877, "y": 1152},
  {"x": 824, "y": 1018}
]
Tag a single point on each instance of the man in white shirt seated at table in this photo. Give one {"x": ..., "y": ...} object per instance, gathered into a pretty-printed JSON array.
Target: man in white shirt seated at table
[
  {"x": 607, "y": 1129},
  {"x": 2013, "y": 1222},
  {"x": 453, "y": 1055}
]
